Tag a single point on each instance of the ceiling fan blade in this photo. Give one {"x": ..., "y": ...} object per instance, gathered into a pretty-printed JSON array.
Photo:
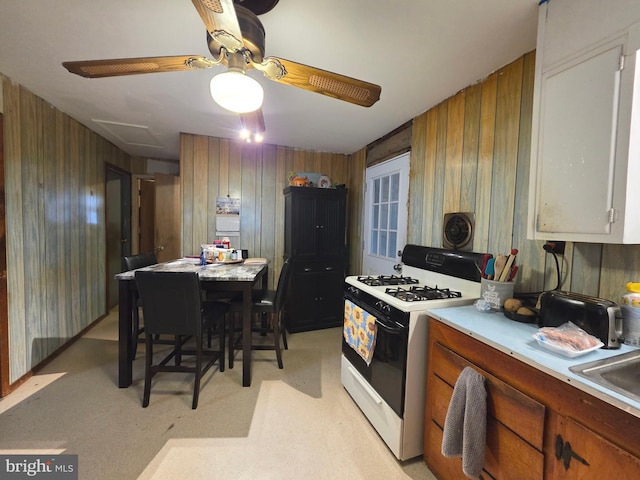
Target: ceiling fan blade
[
  {"x": 219, "y": 16},
  {"x": 321, "y": 81},
  {"x": 253, "y": 121},
  {"x": 133, "y": 66}
]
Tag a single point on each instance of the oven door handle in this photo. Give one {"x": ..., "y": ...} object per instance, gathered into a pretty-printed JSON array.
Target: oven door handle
[{"x": 396, "y": 329}]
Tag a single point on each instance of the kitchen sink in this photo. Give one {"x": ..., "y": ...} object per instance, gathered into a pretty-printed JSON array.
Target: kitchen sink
[{"x": 620, "y": 373}]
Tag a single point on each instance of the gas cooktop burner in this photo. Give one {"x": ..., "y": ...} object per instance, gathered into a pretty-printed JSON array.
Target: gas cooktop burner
[
  {"x": 418, "y": 294},
  {"x": 381, "y": 280}
]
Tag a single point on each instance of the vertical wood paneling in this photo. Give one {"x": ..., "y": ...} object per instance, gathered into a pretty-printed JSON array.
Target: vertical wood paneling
[
  {"x": 19, "y": 353},
  {"x": 355, "y": 207},
  {"x": 256, "y": 174},
  {"x": 50, "y": 258},
  {"x": 529, "y": 257},
  {"x": 437, "y": 205},
  {"x": 75, "y": 154},
  {"x": 215, "y": 184},
  {"x": 200, "y": 189},
  {"x": 417, "y": 163},
  {"x": 189, "y": 244},
  {"x": 485, "y": 162},
  {"x": 453, "y": 153},
  {"x": 505, "y": 157},
  {"x": 30, "y": 234},
  {"x": 56, "y": 244},
  {"x": 468, "y": 182}
]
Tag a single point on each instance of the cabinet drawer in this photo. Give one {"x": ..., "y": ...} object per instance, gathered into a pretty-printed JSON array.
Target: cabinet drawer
[
  {"x": 507, "y": 456},
  {"x": 518, "y": 412},
  {"x": 302, "y": 267}
]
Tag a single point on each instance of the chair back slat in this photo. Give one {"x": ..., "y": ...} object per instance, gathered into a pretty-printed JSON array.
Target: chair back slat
[{"x": 171, "y": 302}]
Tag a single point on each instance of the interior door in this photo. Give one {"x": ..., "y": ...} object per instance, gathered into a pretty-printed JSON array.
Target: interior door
[
  {"x": 385, "y": 221},
  {"x": 168, "y": 220}
]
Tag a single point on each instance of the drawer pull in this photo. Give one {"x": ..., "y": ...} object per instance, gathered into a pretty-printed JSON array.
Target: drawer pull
[{"x": 307, "y": 269}]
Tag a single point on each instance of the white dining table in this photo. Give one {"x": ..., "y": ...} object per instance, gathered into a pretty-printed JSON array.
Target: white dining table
[{"x": 220, "y": 277}]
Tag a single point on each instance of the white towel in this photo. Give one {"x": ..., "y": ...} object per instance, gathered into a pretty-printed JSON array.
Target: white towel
[{"x": 465, "y": 425}]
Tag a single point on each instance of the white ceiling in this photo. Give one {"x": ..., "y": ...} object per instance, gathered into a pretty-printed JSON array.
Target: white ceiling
[{"x": 420, "y": 52}]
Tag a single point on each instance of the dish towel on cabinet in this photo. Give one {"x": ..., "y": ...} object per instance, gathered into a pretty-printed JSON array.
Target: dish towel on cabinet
[
  {"x": 465, "y": 425},
  {"x": 359, "y": 330}
]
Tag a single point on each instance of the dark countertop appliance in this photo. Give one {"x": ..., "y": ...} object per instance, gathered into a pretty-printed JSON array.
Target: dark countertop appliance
[{"x": 596, "y": 316}]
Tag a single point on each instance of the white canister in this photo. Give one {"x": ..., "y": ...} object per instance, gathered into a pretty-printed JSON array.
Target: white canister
[{"x": 630, "y": 307}]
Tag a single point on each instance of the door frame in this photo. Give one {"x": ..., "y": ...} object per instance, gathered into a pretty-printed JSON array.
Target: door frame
[
  {"x": 125, "y": 221},
  {"x": 400, "y": 163},
  {"x": 4, "y": 312}
]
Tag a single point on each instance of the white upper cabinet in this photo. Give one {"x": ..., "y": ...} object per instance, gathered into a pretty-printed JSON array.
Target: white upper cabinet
[{"x": 585, "y": 149}]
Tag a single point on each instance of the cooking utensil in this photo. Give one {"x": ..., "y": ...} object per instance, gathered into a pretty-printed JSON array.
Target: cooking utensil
[
  {"x": 498, "y": 266},
  {"x": 489, "y": 269},
  {"x": 485, "y": 260},
  {"x": 506, "y": 271},
  {"x": 512, "y": 275}
]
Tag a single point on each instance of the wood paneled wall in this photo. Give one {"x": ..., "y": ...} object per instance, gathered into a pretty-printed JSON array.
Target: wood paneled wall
[
  {"x": 54, "y": 173},
  {"x": 257, "y": 174},
  {"x": 471, "y": 153}
]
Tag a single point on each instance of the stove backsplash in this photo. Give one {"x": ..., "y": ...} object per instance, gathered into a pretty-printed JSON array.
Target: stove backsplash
[{"x": 457, "y": 263}]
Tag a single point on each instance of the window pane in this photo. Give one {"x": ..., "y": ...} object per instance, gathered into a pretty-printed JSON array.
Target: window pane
[
  {"x": 395, "y": 187},
  {"x": 393, "y": 216},
  {"x": 385, "y": 189},
  {"x": 374, "y": 242},
  {"x": 392, "y": 245},
  {"x": 376, "y": 191},
  {"x": 384, "y": 216},
  {"x": 376, "y": 216},
  {"x": 383, "y": 243}
]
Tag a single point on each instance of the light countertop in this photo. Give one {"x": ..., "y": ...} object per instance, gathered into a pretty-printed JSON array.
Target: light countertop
[{"x": 516, "y": 339}]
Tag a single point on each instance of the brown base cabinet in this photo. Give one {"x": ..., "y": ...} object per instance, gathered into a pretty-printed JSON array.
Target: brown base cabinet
[{"x": 538, "y": 427}]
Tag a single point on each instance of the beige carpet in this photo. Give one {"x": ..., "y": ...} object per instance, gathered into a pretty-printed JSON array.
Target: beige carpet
[{"x": 293, "y": 423}]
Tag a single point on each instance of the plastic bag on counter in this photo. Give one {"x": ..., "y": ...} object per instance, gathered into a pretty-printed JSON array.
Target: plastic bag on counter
[{"x": 568, "y": 339}]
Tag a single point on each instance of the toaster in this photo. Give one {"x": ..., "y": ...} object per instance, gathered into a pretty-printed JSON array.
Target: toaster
[{"x": 596, "y": 316}]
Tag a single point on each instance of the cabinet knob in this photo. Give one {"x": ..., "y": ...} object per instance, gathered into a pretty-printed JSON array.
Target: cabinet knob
[
  {"x": 307, "y": 269},
  {"x": 328, "y": 269}
]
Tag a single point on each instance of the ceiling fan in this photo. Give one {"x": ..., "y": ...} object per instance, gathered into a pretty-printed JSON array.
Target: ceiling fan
[{"x": 236, "y": 38}]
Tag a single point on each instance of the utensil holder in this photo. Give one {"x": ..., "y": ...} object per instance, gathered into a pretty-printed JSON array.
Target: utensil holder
[{"x": 495, "y": 293}]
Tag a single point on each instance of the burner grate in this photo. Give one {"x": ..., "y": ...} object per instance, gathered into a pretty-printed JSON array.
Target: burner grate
[
  {"x": 418, "y": 294},
  {"x": 383, "y": 280}
]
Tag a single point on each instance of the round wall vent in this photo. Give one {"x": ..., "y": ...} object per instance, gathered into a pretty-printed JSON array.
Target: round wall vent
[{"x": 457, "y": 232}]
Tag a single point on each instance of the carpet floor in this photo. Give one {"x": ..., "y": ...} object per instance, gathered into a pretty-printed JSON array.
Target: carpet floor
[{"x": 298, "y": 422}]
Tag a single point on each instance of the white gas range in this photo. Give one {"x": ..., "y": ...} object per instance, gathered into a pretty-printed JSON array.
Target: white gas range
[{"x": 391, "y": 389}]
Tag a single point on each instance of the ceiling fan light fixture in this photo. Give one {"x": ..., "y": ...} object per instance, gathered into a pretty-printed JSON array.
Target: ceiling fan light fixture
[{"x": 235, "y": 91}]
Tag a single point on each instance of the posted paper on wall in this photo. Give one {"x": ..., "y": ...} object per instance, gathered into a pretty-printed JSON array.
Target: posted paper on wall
[{"x": 228, "y": 217}]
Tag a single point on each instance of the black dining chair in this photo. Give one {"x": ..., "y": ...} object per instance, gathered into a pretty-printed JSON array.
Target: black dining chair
[
  {"x": 172, "y": 305},
  {"x": 266, "y": 318},
  {"x": 132, "y": 262}
]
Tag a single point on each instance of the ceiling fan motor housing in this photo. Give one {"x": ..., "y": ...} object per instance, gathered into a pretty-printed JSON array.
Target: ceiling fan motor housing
[
  {"x": 253, "y": 35},
  {"x": 457, "y": 232}
]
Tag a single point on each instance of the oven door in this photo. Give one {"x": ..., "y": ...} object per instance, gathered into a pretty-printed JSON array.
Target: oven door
[{"x": 387, "y": 371}]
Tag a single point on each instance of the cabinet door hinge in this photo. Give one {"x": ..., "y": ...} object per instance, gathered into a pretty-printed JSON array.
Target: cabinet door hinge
[
  {"x": 613, "y": 215},
  {"x": 621, "y": 66}
]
